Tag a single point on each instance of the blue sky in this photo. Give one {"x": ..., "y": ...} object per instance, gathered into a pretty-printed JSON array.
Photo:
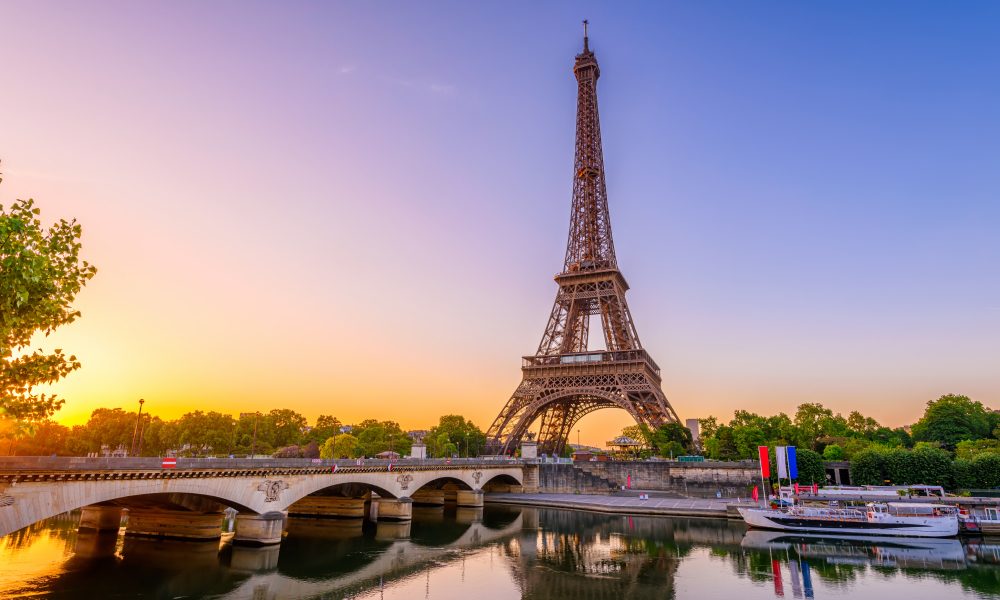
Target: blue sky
[{"x": 804, "y": 197}]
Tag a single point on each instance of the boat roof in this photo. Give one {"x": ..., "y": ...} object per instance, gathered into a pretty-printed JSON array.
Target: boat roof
[{"x": 920, "y": 504}]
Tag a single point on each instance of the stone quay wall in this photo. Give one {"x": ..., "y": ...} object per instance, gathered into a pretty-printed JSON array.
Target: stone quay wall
[{"x": 699, "y": 480}]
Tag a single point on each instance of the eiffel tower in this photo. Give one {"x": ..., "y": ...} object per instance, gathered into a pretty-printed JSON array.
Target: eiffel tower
[{"x": 564, "y": 381}]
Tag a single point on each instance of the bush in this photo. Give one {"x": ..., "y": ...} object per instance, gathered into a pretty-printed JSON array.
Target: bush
[
  {"x": 867, "y": 468},
  {"x": 811, "y": 469},
  {"x": 931, "y": 466},
  {"x": 987, "y": 470},
  {"x": 963, "y": 475},
  {"x": 288, "y": 452}
]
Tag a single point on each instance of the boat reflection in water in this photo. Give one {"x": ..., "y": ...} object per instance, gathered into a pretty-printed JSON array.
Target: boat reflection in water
[{"x": 496, "y": 553}]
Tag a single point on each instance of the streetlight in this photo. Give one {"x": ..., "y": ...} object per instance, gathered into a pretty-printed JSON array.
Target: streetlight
[
  {"x": 142, "y": 431},
  {"x": 253, "y": 446},
  {"x": 335, "y": 429},
  {"x": 135, "y": 432}
]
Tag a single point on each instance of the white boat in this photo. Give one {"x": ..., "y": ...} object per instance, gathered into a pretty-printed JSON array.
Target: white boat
[{"x": 876, "y": 518}]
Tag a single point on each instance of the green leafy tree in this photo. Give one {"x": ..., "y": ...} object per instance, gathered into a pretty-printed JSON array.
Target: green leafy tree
[
  {"x": 283, "y": 427},
  {"x": 951, "y": 419},
  {"x": 107, "y": 427},
  {"x": 375, "y": 437},
  {"x": 326, "y": 426},
  {"x": 671, "y": 439},
  {"x": 708, "y": 427},
  {"x": 969, "y": 449},
  {"x": 40, "y": 275},
  {"x": 722, "y": 446},
  {"x": 344, "y": 445},
  {"x": 834, "y": 452},
  {"x": 205, "y": 433},
  {"x": 457, "y": 431}
]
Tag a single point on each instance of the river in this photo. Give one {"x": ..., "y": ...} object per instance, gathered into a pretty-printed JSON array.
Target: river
[{"x": 498, "y": 553}]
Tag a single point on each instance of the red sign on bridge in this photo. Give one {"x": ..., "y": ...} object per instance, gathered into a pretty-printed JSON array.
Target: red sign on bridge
[{"x": 169, "y": 462}]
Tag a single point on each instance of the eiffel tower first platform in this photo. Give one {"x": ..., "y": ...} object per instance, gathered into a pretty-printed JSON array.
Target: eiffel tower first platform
[{"x": 563, "y": 381}]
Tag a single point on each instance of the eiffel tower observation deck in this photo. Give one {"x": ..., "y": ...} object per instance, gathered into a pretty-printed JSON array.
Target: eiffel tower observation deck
[{"x": 565, "y": 380}]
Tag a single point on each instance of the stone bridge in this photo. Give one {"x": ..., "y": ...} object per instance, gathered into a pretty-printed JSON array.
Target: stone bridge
[{"x": 188, "y": 501}]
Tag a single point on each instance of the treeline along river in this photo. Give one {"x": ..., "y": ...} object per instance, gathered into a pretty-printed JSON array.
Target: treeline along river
[{"x": 494, "y": 553}]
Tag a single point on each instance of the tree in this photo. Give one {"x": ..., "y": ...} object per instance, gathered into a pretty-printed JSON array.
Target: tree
[
  {"x": 834, "y": 452},
  {"x": 325, "y": 428},
  {"x": 375, "y": 437},
  {"x": 110, "y": 427},
  {"x": 969, "y": 449},
  {"x": 200, "y": 433},
  {"x": 814, "y": 422},
  {"x": 707, "y": 427},
  {"x": 951, "y": 419},
  {"x": 44, "y": 438},
  {"x": 455, "y": 430},
  {"x": 40, "y": 275},
  {"x": 346, "y": 446},
  {"x": 283, "y": 427},
  {"x": 671, "y": 439}
]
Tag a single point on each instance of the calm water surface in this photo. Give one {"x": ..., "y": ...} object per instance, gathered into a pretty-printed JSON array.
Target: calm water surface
[{"x": 498, "y": 553}]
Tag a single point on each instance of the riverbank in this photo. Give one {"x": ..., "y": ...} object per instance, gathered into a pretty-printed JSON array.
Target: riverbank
[{"x": 628, "y": 505}]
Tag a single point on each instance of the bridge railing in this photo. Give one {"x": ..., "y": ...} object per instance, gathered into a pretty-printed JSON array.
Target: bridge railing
[{"x": 77, "y": 463}]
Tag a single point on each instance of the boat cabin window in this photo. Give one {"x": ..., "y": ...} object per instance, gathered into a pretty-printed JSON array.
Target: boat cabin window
[{"x": 993, "y": 514}]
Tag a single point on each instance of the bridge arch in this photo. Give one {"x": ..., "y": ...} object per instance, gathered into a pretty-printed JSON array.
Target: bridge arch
[{"x": 28, "y": 506}]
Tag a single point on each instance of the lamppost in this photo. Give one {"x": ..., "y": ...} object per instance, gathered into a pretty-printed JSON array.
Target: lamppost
[
  {"x": 135, "y": 432},
  {"x": 142, "y": 432},
  {"x": 341, "y": 428},
  {"x": 253, "y": 445},
  {"x": 577, "y": 439},
  {"x": 467, "y": 455}
]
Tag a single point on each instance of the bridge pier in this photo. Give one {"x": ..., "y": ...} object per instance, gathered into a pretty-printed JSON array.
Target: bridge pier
[
  {"x": 530, "y": 480},
  {"x": 428, "y": 497},
  {"x": 259, "y": 530},
  {"x": 469, "y": 498},
  {"x": 100, "y": 518},
  {"x": 174, "y": 524},
  {"x": 393, "y": 509},
  {"x": 329, "y": 507}
]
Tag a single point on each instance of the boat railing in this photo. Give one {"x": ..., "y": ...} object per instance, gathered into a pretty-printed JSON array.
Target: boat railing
[{"x": 847, "y": 514}]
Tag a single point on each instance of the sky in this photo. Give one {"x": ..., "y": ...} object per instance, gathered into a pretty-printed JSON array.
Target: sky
[{"x": 357, "y": 208}]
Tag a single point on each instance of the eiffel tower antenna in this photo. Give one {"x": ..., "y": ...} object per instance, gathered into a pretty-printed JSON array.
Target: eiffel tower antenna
[{"x": 564, "y": 380}]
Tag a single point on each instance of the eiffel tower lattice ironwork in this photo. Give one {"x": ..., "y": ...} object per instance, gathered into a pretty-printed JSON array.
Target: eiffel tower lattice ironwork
[{"x": 564, "y": 381}]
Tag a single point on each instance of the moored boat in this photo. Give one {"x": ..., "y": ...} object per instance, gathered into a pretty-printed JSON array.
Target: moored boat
[{"x": 875, "y": 518}]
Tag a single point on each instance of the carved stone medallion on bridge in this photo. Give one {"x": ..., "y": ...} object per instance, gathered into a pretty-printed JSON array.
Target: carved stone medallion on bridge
[
  {"x": 272, "y": 489},
  {"x": 477, "y": 476},
  {"x": 404, "y": 480}
]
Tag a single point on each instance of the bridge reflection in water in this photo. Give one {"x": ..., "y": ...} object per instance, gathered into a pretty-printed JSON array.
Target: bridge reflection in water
[{"x": 499, "y": 552}]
